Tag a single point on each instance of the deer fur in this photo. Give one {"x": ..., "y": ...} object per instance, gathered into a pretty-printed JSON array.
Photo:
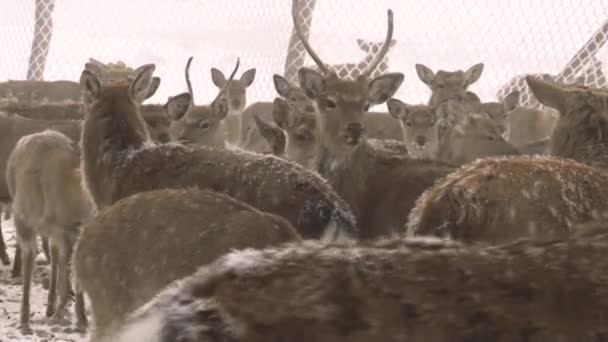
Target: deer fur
[
  {"x": 391, "y": 290},
  {"x": 418, "y": 124},
  {"x": 200, "y": 125},
  {"x": 118, "y": 162},
  {"x": 124, "y": 258},
  {"x": 445, "y": 85},
  {"x": 521, "y": 196},
  {"x": 44, "y": 182},
  {"x": 380, "y": 188}
]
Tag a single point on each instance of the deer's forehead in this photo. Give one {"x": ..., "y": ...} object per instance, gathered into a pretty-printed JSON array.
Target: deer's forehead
[
  {"x": 199, "y": 113},
  {"x": 450, "y": 77},
  {"x": 421, "y": 115}
]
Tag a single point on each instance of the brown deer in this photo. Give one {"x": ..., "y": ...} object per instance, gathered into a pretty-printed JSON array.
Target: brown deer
[
  {"x": 118, "y": 162},
  {"x": 447, "y": 85},
  {"x": 199, "y": 125},
  {"x": 380, "y": 188},
  {"x": 124, "y": 258},
  {"x": 299, "y": 135},
  {"x": 419, "y": 127},
  {"x": 235, "y": 94},
  {"x": 500, "y": 199},
  {"x": 44, "y": 182},
  {"x": 391, "y": 290}
]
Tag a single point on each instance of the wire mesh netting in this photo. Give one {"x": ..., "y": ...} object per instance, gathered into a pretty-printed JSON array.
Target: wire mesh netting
[{"x": 561, "y": 39}]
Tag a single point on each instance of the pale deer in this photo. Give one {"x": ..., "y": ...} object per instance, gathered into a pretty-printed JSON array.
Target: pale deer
[
  {"x": 500, "y": 112},
  {"x": 415, "y": 290},
  {"x": 123, "y": 258},
  {"x": 353, "y": 70},
  {"x": 299, "y": 135},
  {"x": 235, "y": 94},
  {"x": 118, "y": 162},
  {"x": 44, "y": 182},
  {"x": 419, "y": 127},
  {"x": 500, "y": 199},
  {"x": 447, "y": 85},
  {"x": 199, "y": 125},
  {"x": 380, "y": 188}
]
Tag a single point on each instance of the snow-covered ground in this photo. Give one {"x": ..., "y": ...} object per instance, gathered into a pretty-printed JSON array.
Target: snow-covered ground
[{"x": 10, "y": 299}]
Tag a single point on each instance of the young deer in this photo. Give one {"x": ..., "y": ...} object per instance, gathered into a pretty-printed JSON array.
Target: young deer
[
  {"x": 419, "y": 126},
  {"x": 199, "y": 125},
  {"x": 44, "y": 181},
  {"x": 236, "y": 96},
  {"x": 500, "y": 199},
  {"x": 123, "y": 258},
  {"x": 299, "y": 132},
  {"x": 380, "y": 188},
  {"x": 447, "y": 85},
  {"x": 118, "y": 162},
  {"x": 392, "y": 290}
]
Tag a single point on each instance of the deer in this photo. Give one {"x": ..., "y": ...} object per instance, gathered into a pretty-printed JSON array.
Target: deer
[
  {"x": 199, "y": 124},
  {"x": 419, "y": 127},
  {"x": 294, "y": 135},
  {"x": 26, "y": 91},
  {"x": 44, "y": 181},
  {"x": 118, "y": 161},
  {"x": 235, "y": 94},
  {"x": 445, "y": 85},
  {"x": 120, "y": 265},
  {"x": 388, "y": 290},
  {"x": 381, "y": 188},
  {"x": 505, "y": 198}
]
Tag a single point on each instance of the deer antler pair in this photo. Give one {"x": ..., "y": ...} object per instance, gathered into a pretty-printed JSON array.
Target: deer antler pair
[
  {"x": 370, "y": 68},
  {"x": 222, "y": 91}
]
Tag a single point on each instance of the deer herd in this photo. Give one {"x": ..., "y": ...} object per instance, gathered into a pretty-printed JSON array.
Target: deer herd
[{"x": 310, "y": 218}]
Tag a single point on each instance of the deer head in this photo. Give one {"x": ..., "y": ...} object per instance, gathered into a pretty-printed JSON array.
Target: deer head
[
  {"x": 418, "y": 124},
  {"x": 199, "y": 125},
  {"x": 236, "y": 91},
  {"x": 293, "y": 95},
  {"x": 342, "y": 103},
  {"x": 447, "y": 85}
]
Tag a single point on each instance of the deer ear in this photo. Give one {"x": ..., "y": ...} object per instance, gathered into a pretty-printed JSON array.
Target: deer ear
[
  {"x": 177, "y": 106},
  {"x": 138, "y": 89},
  {"x": 384, "y": 87},
  {"x": 220, "y": 108},
  {"x": 271, "y": 133},
  {"x": 248, "y": 76},
  {"x": 217, "y": 77},
  {"x": 511, "y": 101},
  {"x": 281, "y": 85},
  {"x": 473, "y": 74},
  {"x": 425, "y": 74},
  {"x": 312, "y": 82},
  {"x": 547, "y": 93},
  {"x": 281, "y": 113},
  {"x": 152, "y": 88},
  {"x": 90, "y": 86},
  {"x": 397, "y": 109}
]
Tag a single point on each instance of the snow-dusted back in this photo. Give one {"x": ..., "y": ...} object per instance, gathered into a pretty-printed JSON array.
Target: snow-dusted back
[{"x": 510, "y": 37}]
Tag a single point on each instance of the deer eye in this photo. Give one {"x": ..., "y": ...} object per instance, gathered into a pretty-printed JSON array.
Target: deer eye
[
  {"x": 408, "y": 123},
  {"x": 204, "y": 124},
  {"x": 330, "y": 104},
  {"x": 440, "y": 85},
  {"x": 366, "y": 107},
  {"x": 491, "y": 137}
]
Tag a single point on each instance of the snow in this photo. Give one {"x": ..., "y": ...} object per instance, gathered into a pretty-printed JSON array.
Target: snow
[{"x": 10, "y": 302}]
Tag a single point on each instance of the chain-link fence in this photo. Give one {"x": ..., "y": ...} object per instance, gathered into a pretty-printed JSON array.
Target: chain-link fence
[{"x": 560, "y": 38}]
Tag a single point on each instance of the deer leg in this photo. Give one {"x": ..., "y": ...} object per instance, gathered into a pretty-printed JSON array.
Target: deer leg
[
  {"x": 65, "y": 254},
  {"x": 3, "y": 254},
  {"x": 79, "y": 309},
  {"x": 52, "y": 297},
  {"x": 16, "y": 263},
  {"x": 45, "y": 248},
  {"x": 27, "y": 241}
]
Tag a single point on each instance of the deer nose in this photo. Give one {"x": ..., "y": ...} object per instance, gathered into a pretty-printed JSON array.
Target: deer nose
[
  {"x": 355, "y": 128},
  {"x": 236, "y": 103},
  {"x": 421, "y": 140},
  {"x": 310, "y": 108}
]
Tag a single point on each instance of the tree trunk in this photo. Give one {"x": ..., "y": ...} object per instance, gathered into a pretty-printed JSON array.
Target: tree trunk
[
  {"x": 43, "y": 32},
  {"x": 295, "y": 51}
]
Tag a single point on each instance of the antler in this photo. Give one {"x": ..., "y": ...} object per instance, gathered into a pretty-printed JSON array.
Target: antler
[
  {"x": 385, "y": 47},
  {"x": 311, "y": 52},
  {"x": 188, "y": 83},
  {"x": 223, "y": 90}
]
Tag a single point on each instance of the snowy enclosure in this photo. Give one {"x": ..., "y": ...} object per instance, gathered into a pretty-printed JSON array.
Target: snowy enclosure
[{"x": 511, "y": 37}]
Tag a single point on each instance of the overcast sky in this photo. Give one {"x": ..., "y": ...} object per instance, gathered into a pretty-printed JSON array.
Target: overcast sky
[{"x": 511, "y": 37}]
